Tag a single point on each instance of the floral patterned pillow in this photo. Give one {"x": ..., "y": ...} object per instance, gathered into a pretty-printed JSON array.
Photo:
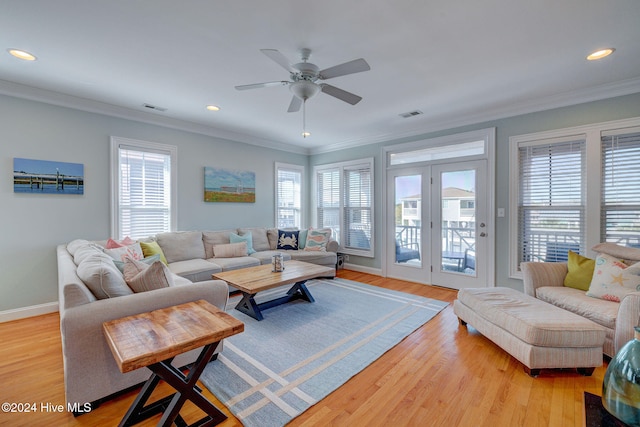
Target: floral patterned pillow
[
  {"x": 612, "y": 279},
  {"x": 132, "y": 251}
]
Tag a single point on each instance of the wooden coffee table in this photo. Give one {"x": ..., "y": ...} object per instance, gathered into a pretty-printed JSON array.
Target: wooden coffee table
[
  {"x": 153, "y": 339},
  {"x": 252, "y": 280}
]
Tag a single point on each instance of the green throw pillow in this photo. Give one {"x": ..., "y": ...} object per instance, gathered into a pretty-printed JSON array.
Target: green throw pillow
[
  {"x": 580, "y": 271},
  {"x": 153, "y": 248}
]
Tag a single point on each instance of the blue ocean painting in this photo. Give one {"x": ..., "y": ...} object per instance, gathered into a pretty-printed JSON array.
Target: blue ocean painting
[{"x": 47, "y": 177}]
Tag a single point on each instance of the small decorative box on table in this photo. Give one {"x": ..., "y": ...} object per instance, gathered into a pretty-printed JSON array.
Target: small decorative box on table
[{"x": 153, "y": 339}]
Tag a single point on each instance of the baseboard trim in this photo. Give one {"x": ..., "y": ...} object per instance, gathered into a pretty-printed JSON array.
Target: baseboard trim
[
  {"x": 24, "y": 312},
  {"x": 363, "y": 269}
]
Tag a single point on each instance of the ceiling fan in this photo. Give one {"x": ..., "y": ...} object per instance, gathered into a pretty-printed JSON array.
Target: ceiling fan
[{"x": 305, "y": 75}]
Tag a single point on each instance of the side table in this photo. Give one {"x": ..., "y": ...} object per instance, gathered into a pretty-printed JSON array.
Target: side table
[{"x": 153, "y": 339}]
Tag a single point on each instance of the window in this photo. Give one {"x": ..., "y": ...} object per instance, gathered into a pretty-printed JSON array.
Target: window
[
  {"x": 552, "y": 199},
  {"x": 572, "y": 188},
  {"x": 143, "y": 187},
  {"x": 344, "y": 203},
  {"x": 289, "y": 195},
  {"x": 620, "y": 213}
]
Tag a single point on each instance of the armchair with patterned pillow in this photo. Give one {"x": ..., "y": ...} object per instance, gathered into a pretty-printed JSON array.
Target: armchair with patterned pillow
[{"x": 605, "y": 290}]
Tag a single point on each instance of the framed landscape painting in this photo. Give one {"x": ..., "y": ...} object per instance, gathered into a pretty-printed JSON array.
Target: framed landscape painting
[
  {"x": 47, "y": 177},
  {"x": 224, "y": 185}
]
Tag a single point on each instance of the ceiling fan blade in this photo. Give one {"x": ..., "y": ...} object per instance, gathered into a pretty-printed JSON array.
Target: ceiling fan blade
[
  {"x": 295, "y": 105},
  {"x": 342, "y": 95},
  {"x": 259, "y": 85},
  {"x": 279, "y": 58},
  {"x": 355, "y": 66}
]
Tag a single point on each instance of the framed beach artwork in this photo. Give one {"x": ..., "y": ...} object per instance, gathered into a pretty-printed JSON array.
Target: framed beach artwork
[
  {"x": 225, "y": 185},
  {"x": 47, "y": 177}
]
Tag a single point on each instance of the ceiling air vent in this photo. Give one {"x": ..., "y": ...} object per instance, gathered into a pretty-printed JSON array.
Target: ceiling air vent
[
  {"x": 154, "y": 107},
  {"x": 411, "y": 114}
]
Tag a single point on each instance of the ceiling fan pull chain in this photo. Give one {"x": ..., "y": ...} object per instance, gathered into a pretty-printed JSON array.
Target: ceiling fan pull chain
[{"x": 304, "y": 118}]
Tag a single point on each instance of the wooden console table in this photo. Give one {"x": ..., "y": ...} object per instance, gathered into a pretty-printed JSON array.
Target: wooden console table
[{"x": 153, "y": 339}]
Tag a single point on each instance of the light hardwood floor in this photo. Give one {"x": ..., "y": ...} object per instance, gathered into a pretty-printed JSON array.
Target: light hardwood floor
[{"x": 441, "y": 375}]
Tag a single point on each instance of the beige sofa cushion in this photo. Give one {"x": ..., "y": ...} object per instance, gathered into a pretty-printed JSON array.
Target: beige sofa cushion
[
  {"x": 212, "y": 238},
  {"x": 181, "y": 245},
  {"x": 102, "y": 277},
  {"x": 83, "y": 249},
  {"x": 259, "y": 236},
  {"x": 236, "y": 263},
  {"x": 602, "y": 312},
  {"x": 196, "y": 270},
  {"x": 620, "y": 252}
]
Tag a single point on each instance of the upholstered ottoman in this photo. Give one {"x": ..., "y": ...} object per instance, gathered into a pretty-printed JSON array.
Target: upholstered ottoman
[{"x": 538, "y": 334}]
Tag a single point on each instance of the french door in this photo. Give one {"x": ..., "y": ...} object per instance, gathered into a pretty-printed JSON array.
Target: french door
[{"x": 437, "y": 224}]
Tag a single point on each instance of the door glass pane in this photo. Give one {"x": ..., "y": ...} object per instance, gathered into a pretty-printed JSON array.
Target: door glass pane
[
  {"x": 458, "y": 213},
  {"x": 408, "y": 215}
]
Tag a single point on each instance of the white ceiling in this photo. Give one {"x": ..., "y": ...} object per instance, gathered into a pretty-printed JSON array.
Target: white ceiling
[{"x": 459, "y": 62}]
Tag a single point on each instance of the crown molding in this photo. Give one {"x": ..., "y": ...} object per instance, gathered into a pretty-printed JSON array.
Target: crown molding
[
  {"x": 31, "y": 93},
  {"x": 565, "y": 99},
  {"x": 596, "y": 93}
]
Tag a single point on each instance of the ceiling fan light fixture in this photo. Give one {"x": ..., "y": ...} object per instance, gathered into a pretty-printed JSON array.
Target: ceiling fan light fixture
[
  {"x": 304, "y": 89},
  {"x": 22, "y": 54},
  {"x": 601, "y": 53}
]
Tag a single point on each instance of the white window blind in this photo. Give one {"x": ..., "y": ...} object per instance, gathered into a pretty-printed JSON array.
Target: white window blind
[
  {"x": 620, "y": 211},
  {"x": 344, "y": 203},
  {"x": 289, "y": 196},
  {"x": 551, "y": 206},
  {"x": 144, "y": 190},
  {"x": 328, "y": 201},
  {"x": 357, "y": 207}
]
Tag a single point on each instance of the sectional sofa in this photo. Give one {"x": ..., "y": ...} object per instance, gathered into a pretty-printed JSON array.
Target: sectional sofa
[{"x": 92, "y": 290}]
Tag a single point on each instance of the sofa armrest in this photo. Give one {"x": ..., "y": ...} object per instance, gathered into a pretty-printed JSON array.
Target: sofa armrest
[
  {"x": 333, "y": 246},
  {"x": 89, "y": 367},
  {"x": 628, "y": 317},
  {"x": 538, "y": 274}
]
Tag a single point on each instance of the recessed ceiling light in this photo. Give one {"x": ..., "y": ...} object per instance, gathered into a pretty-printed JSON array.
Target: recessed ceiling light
[
  {"x": 213, "y": 108},
  {"x": 22, "y": 54},
  {"x": 599, "y": 54}
]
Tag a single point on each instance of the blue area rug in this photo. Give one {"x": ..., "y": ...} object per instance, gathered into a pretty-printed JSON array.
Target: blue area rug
[{"x": 301, "y": 351}]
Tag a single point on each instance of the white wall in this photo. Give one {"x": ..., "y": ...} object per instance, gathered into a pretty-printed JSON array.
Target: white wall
[{"x": 32, "y": 225}]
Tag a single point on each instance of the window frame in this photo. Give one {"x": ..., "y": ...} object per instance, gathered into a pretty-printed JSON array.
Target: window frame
[
  {"x": 593, "y": 179},
  {"x": 341, "y": 167},
  {"x": 143, "y": 146},
  {"x": 296, "y": 169}
]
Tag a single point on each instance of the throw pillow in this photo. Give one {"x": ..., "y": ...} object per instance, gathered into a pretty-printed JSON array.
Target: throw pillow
[
  {"x": 317, "y": 240},
  {"x": 142, "y": 277},
  {"x": 132, "y": 251},
  {"x": 153, "y": 248},
  {"x": 102, "y": 277},
  {"x": 303, "y": 238},
  {"x": 580, "y": 271},
  {"x": 230, "y": 250},
  {"x": 147, "y": 260},
  {"x": 112, "y": 244},
  {"x": 288, "y": 240},
  {"x": 234, "y": 238},
  {"x": 612, "y": 279}
]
